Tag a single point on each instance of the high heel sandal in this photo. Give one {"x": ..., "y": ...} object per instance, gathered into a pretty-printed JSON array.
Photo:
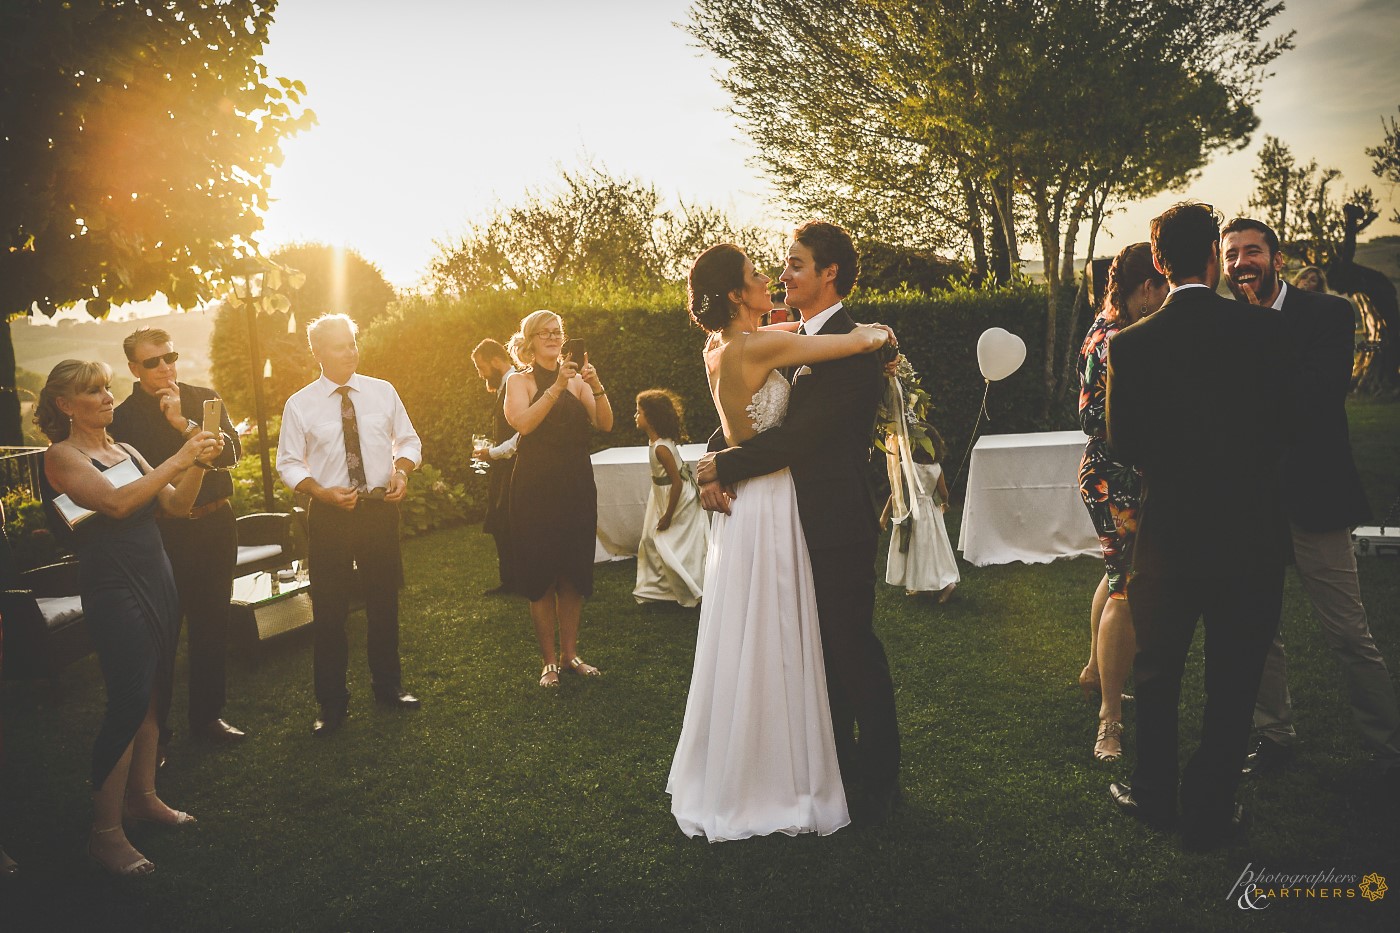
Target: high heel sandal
[
  {"x": 581, "y": 667},
  {"x": 181, "y": 817},
  {"x": 142, "y": 866},
  {"x": 550, "y": 684},
  {"x": 1108, "y": 744}
]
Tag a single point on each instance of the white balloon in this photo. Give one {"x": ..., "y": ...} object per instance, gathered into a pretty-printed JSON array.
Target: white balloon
[{"x": 999, "y": 353}]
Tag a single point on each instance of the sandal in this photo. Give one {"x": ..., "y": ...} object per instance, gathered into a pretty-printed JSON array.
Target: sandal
[
  {"x": 142, "y": 866},
  {"x": 581, "y": 667},
  {"x": 1108, "y": 745},
  {"x": 181, "y": 817},
  {"x": 550, "y": 670}
]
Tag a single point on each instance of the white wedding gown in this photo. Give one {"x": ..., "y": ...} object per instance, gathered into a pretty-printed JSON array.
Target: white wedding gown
[{"x": 756, "y": 753}]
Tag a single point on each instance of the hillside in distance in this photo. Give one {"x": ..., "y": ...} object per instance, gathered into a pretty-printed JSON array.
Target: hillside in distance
[{"x": 38, "y": 346}]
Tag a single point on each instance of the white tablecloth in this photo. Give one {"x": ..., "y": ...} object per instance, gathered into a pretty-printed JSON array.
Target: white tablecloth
[
  {"x": 1023, "y": 500},
  {"x": 623, "y": 477}
]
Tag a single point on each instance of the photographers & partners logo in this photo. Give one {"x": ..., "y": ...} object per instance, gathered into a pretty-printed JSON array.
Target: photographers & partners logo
[{"x": 1260, "y": 889}]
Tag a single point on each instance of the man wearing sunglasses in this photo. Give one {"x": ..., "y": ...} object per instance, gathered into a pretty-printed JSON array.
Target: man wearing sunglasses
[{"x": 203, "y": 546}]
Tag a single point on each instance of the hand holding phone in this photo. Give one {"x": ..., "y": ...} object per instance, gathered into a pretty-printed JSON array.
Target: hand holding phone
[
  {"x": 575, "y": 348},
  {"x": 213, "y": 415}
]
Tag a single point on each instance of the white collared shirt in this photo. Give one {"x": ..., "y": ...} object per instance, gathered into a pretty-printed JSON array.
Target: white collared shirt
[
  {"x": 1278, "y": 302},
  {"x": 816, "y": 322},
  {"x": 1186, "y": 286},
  {"x": 312, "y": 443}
]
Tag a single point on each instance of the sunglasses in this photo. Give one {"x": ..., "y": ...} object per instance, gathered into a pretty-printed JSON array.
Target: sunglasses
[{"x": 155, "y": 361}]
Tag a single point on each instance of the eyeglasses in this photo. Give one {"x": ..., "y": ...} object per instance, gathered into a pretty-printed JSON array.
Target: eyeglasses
[
  {"x": 155, "y": 361},
  {"x": 550, "y": 334}
]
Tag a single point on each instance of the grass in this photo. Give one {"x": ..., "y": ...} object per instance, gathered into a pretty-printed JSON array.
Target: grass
[{"x": 501, "y": 806}]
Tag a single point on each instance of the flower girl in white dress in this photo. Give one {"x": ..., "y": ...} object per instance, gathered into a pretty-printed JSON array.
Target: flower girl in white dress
[
  {"x": 675, "y": 530},
  {"x": 921, "y": 557}
]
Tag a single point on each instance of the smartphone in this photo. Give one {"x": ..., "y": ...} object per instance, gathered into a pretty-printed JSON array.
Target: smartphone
[
  {"x": 575, "y": 348},
  {"x": 213, "y": 414}
]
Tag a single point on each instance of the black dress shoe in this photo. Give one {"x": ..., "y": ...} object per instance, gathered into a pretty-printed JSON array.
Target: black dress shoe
[
  {"x": 877, "y": 807},
  {"x": 329, "y": 721},
  {"x": 1205, "y": 840},
  {"x": 1124, "y": 800},
  {"x": 219, "y": 732},
  {"x": 398, "y": 700},
  {"x": 1268, "y": 757}
]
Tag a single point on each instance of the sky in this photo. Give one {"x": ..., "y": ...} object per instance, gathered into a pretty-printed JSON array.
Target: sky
[
  {"x": 430, "y": 116},
  {"x": 432, "y": 112}
]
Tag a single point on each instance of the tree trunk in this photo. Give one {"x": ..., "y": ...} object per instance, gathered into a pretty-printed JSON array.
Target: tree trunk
[
  {"x": 11, "y": 430},
  {"x": 1050, "y": 251},
  {"x": 1076, "y": 217},
  {"x": 1377, "y": 371},
  {"x": 1004, "y": 201},
  {"x": 975, "y": 229}
]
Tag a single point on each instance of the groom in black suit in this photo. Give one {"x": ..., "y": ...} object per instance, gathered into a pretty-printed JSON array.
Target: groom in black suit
[
  {"x": 825, "y": 441},
  {"x": 1198, "y": 401}
]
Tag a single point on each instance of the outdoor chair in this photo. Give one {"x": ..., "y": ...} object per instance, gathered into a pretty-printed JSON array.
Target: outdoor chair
[{"x": 43, "y": 619}]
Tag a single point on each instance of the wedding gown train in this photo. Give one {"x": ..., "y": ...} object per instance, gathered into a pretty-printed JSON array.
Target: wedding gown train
[{"x": 756, "y": 753}]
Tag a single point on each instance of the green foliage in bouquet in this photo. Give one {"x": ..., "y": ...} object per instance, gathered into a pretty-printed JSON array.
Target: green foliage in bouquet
[{"x": 914, "y": 412}]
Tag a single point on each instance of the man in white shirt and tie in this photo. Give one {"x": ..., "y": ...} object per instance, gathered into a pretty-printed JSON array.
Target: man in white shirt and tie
[{"x": 348, "y": 444}]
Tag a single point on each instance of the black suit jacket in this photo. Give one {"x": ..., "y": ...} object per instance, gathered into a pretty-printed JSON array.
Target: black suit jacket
[
  {"x": 138, "y": 421},
  {"x": 1321, "y": 488},
  {"x": 498, "y": 474},
  {"x": 1198, "y": 400},
  {"x": 825, "y": 440}
]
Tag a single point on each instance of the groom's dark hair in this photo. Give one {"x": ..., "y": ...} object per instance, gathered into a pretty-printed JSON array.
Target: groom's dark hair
[{"x": 831, "y": 245}]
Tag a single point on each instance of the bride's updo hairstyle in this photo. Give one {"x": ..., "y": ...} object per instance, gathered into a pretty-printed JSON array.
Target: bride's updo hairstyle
[
  {"x": 718, "y": 271},
  {"x": 1131, "y": 267}
]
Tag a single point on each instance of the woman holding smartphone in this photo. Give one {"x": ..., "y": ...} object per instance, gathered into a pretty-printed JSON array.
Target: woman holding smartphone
[
  {"x": 130, "y": 605},
  {"x": 554, "y": 404}
]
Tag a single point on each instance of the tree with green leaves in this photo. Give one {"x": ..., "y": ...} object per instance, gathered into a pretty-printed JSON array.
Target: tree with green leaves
[
  {"x": 136, "y": 140},
  {"x": 1387, "y": 158},
  {"x": 592, "y": 230},
  {"x": 949, "y": 118}
]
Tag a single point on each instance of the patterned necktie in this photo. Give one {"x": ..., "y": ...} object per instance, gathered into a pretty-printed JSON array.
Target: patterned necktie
[{"x": 353, "y": 459}]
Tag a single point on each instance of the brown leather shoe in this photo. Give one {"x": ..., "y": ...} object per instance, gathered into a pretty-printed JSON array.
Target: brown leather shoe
[{"x": 219, "y": 732}]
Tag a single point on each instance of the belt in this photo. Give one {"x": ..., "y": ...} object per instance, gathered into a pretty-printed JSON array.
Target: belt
[{"x": 208, "y": 508}]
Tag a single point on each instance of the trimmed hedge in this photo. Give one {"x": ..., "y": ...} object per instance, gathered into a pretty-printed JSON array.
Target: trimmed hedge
[{"x": 641, "y": 342}]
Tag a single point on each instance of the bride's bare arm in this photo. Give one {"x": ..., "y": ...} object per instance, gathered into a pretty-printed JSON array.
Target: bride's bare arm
[{"x": 776, "y": 349}]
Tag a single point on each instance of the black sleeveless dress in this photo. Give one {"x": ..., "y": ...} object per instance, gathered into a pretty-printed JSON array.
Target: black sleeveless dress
[
  {"x": 553, "y": 501},
  {"x": 130, "y": 608}
]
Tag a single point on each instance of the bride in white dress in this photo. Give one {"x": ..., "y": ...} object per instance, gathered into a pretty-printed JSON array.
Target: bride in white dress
[{"x": 756, "y": 753}]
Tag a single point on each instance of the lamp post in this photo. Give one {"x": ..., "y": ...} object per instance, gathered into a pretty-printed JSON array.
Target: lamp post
[{"x": 252, "y": 280}]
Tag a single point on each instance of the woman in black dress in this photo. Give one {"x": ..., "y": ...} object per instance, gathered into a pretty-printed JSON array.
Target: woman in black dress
[
  {"x": 553, "y": 502},
  {"x": 128, "y": 594}
]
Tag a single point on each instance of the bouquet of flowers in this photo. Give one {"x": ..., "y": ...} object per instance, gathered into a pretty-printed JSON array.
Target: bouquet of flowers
[{"x": 905, "y": 407}]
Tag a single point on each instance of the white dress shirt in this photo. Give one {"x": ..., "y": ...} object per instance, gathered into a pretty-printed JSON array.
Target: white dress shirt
[
  {"x": 816, "y": 322},
  {"x": 312, "y": 443},
  {"x": 1278, "y": 302},
  {"x": 506, "y": 449}
]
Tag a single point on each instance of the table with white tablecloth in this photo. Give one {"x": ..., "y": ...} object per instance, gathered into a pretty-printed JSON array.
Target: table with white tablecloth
[
  {"x": 1023, "y": 500},
  {"x": 623, "y": 477}
]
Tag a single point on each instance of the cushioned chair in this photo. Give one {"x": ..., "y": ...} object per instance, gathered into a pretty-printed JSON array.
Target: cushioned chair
[
  {"x": 265, "y": 542},
  {"x": 43, "y": 619}
]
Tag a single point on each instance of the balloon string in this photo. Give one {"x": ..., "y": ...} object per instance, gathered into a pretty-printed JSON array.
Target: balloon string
[{"x": 973, "y": 439}]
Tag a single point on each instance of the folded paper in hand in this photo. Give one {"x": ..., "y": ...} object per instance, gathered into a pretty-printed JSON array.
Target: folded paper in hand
[{"x": 74, "y": 515}]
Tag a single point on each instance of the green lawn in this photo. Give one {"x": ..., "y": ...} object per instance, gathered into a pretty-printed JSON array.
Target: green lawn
[{"x": 502, "y": 806}]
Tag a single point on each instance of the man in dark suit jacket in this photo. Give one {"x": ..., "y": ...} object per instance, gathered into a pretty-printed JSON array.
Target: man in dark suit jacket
[
  {"x": 825, "y": 440},
  {"x": 203, "y": 546},
  {"x": 494, "y": 366},
  {"x": 1212, "y": 539},
  {"x": 1323, "y": 498}
]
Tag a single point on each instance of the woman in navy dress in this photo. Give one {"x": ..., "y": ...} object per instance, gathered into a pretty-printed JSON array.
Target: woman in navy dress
[
  {"x": 130, "y": 605},
  {"x": 1111, "y": 491}
]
